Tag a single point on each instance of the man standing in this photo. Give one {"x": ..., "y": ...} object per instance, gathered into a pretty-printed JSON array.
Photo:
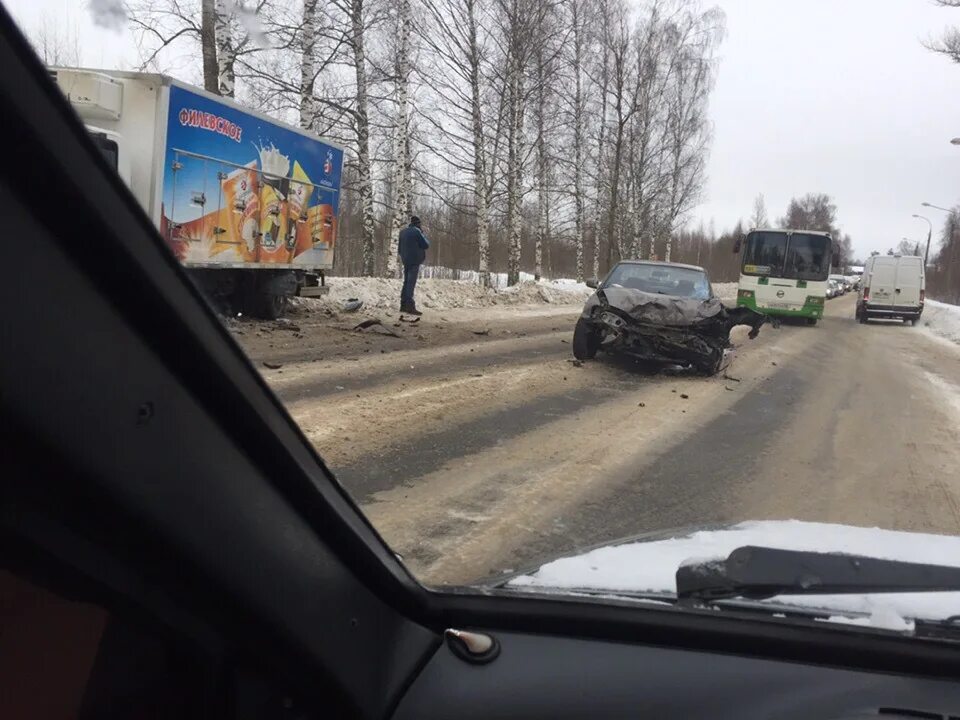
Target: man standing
[{"x": 413, "y": 251}]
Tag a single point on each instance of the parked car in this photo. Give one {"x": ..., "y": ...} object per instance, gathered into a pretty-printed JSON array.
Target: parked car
[
  {"x": 833, "y": 288},
  {"x": 841, "y": 283},
  {"x": 659, "y": 312},
  {"x": 893, "y": 286}
]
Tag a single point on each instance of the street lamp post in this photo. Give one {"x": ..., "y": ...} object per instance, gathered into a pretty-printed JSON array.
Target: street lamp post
[{"x": 926, "y": 255}]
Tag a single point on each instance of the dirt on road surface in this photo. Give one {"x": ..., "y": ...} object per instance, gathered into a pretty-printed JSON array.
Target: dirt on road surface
[{"x": 477, "y": 446}]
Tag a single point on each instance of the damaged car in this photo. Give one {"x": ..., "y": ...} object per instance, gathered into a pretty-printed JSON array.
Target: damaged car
[{"x": 660, "y": 313}]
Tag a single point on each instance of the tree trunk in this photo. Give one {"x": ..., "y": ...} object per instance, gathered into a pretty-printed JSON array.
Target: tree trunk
[
  {"x": 208, "y": 45},
  {"x": 542, "y": 197},
  {"x": 601, "y": 145},
  {"x": 308, "y": 42},
  {"x": 578, "y": 136},
  {"x": 226, "y": 50},
  {"x": 479, "y": 153},
  {"x": 514, "y": 172},
  {"x": 401, "y": 178},
  {"x": 364, "y": 179}
]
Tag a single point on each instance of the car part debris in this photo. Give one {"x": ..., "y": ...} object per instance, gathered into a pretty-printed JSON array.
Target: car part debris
[
  {"x": 662, "y": 329},
  {"x": 375, "y": 325},
  {"x": 352, "y": 305}
]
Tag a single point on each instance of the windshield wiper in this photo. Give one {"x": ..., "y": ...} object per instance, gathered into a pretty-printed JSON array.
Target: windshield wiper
[{"x": 759, "y": 572}]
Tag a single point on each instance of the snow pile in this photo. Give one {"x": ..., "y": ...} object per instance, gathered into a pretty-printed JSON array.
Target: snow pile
[
  {"x": 436, "y": 294},
  {"x": 942, "y": 320},
  {"x": 651, "y": 566}
]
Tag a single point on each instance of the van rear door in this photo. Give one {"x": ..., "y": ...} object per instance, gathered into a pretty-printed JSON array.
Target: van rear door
[
  {"x": 883, "y": 283},
  {"x": 909, "y": 282}
]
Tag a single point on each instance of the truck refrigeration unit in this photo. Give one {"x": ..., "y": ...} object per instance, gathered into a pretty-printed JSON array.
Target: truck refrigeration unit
[{"x": 246, "y": 203}]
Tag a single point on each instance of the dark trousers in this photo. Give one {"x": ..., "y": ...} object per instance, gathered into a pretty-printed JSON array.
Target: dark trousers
[{"x": 410, "y": 274}]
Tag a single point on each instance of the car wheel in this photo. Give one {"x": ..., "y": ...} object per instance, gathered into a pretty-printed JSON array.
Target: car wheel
[
  {"x": 586, "y": 341},
  {"x": 811, "y": 321}
]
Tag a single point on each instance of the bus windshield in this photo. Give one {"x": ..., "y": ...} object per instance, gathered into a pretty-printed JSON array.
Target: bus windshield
[{"x": 799, "y": 256}]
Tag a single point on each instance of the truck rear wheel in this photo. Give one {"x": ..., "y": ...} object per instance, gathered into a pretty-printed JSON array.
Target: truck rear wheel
[
  {"x": 269, "y": 306},
  {"x": 265, "y": 294}
]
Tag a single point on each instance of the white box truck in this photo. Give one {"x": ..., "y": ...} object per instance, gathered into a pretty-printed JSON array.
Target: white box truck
[
  {"x": 248, "y": 204},
  {"x": 892, "y": 286}
]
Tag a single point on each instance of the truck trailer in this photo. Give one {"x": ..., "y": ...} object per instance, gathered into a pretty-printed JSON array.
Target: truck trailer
[{"x": 246, "y": 203}]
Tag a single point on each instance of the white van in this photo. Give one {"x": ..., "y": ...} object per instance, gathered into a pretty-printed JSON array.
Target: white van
[{"x": 892, "y": 286}]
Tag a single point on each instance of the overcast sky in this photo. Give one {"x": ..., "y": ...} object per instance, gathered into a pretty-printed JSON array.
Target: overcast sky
[{"x": 834, "y": 96}]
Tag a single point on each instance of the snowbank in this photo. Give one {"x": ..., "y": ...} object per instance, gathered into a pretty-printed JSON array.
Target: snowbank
[
  {"x": 942, "y": 320},
  {"x": 465, "y": 292},
  {"x": 447, "y": 294},
  {"x": 651, "y": 566}
]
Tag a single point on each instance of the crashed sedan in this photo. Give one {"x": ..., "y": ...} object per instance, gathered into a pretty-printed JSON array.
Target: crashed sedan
[{"x": 661, "y": 313}]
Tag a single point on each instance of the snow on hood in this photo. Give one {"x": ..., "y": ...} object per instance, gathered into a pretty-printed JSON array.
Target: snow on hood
[
  {"x": 651, "y": 566},
  {"x": 656, "y": 308}
]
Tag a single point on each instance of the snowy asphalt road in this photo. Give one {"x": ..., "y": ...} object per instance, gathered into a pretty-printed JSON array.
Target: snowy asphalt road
[{"x": 475, "y": 455}]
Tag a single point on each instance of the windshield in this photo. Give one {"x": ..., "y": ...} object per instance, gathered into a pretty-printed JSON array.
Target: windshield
[
  {"x": 401, "y": 213},
  {"x": 791, "y": 255},
  {"x": 664, "y": 280}
]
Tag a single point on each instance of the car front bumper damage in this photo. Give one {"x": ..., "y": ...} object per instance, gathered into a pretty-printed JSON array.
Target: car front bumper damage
[{"x": 699, "y": 345}]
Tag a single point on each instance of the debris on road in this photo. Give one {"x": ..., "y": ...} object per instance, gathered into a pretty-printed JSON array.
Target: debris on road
[
  {"x": 482, "y": 332},
  {"x": 352, "y": 305},
  {"x": 576, "y": 363},
  {"x": 684, "y": 396},
  {"x": 272, "y": 365},
  {"x": 409, "y": 320},
  {"x": 376, "y": 326},
  {"x": 642, "y": 404},
  {"x": 727, "y": 387},
  {"x": 730, "y": 378}
]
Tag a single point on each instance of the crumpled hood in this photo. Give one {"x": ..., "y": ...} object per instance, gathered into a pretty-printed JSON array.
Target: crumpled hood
[
  {"x": 643, "y": 565},
  {"x": 655, "y": 308}
]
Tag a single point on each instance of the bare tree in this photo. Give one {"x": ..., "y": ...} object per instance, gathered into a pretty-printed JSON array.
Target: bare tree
[
  {"x": 55, "y": 45},
  {"x": 949, "y": 43},
  {"x": 759, "y": 217}
]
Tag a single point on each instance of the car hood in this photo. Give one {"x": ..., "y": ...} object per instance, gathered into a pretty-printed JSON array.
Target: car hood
[
  {"x": 655, "y": 308},
  {"x": 649, "y": 564}
]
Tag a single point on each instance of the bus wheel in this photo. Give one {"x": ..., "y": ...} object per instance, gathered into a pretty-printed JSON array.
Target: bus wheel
[{"x": 811, "y": 321}]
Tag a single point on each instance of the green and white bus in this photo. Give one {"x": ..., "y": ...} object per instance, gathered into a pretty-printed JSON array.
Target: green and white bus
[{"x": 784, "y": 272}]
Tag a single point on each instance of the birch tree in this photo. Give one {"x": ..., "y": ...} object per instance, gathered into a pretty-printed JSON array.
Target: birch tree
[
  {"x": 401, "y": 175},
  {"x": 577, "y": 13},
  {"x": 361, "y": 122}
]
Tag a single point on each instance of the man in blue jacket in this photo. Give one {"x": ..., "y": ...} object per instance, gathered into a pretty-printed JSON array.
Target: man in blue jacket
[{"x": 413, "y": 251}]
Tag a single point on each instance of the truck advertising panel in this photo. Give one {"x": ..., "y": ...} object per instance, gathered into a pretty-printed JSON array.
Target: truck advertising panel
[{"x": 242, "y": 191}]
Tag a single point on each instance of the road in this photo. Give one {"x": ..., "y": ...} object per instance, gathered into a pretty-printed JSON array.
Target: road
[{"x": 477, "y": 447}]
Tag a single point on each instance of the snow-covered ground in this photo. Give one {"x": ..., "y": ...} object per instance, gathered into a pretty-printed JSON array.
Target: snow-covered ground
[
  {"x": 942, "y": 320},
  {"x": 727, "y": 292},
  {"x": 651, "y": 566}
]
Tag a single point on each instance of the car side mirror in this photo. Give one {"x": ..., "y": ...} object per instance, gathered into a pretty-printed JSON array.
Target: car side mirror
[
  {"x": 737, "y": 245},
  {"x": 592, "y": 283}
]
